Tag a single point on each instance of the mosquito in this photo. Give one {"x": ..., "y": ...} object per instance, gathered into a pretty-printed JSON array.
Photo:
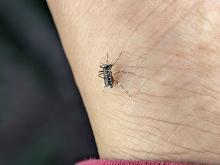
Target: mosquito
[{"x": 107, "y": 75}]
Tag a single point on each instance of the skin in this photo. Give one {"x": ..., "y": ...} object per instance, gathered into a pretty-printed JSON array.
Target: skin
[{"x": 171, "y": 51}]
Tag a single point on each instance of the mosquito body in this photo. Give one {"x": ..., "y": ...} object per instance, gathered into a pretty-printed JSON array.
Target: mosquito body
[{"x": 107, "y": 75}]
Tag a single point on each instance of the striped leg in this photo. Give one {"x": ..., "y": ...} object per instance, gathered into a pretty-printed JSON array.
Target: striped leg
[{"x": 122, "y": 88}]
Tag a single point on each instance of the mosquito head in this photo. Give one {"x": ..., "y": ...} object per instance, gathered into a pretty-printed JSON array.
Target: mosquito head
[{"x": 107, "y": 66}]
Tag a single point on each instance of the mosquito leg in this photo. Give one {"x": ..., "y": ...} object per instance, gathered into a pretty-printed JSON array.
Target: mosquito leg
[
  {"x": 113, "y": 63},
  {"x": 112, "y": 60},
  {"x": 101, "y": 76},
  {"x": 116, "y": 73},
  {"x": 107, "y": 58},
  {"x": 122, "y": 88},
  {"x": 121, "y": 71}
]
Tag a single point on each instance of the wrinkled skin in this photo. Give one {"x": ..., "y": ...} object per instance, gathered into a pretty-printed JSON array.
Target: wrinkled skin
[{"x": 171, "y": 50}]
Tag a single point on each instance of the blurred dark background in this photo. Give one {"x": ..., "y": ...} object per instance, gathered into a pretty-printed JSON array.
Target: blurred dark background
[{"x": 42, "y": 117}]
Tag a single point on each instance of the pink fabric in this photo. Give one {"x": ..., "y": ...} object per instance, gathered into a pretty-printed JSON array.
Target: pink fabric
[{"x": 129, "y": 162}]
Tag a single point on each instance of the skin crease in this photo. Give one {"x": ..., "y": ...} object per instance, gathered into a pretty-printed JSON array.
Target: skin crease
[{"x": 171, "y": 50}]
